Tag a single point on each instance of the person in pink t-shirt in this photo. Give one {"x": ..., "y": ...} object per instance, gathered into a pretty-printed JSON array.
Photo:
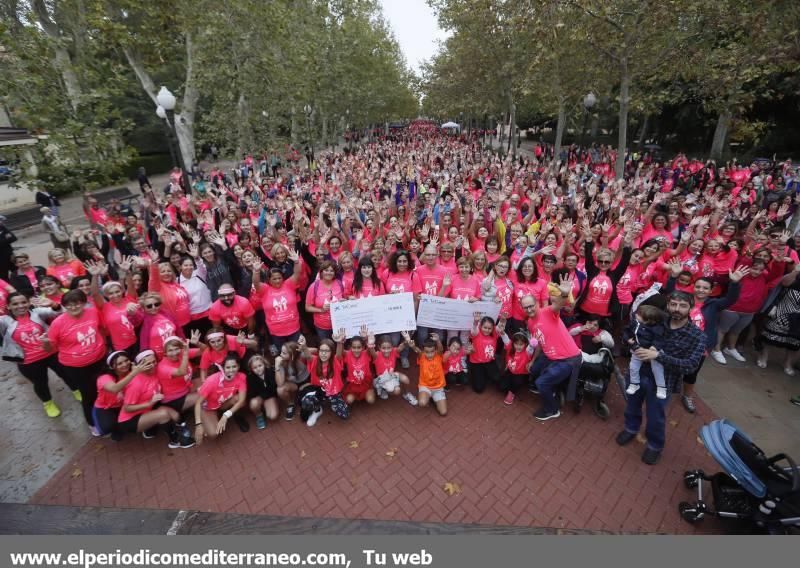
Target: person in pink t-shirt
[
  {"x": 121, "y": 312},
  {"x": 232, "y": 312},
  {"x": 279, "y": 298},
  {"x": 78, "y": 338},
  {"x": 219, "y": 398},
  {"x": 142, "y": 409},
  {"x": 559, "y": 358},
  {"x": 110, "y": 392}
]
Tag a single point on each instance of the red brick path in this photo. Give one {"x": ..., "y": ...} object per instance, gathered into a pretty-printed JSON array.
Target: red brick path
[{"x": 511, "y": 469}]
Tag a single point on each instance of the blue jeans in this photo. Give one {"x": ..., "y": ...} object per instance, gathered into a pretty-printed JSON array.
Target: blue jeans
[
  {"x": 656, "y": 412},
  {"x": 548, "y": 375},
  {"x": 397, "y": 339}
]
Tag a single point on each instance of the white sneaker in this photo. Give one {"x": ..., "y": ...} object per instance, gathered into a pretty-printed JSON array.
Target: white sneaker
[
  {"x": 735, "y": 354},
  {"x": 312, "y": 420},
  {"x": 661, "y": 392},
  {"x": 384, "y": 395},
  {"x": 790, "y": 371},
  {"x": 632, "y": 388},
  {"x": 719, "y": 357},
  {"x": 412, "y": 400},
  {"x": 761, "y": 362}
]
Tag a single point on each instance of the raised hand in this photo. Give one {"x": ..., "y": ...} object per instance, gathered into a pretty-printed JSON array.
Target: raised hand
[
  {"x": 194, "y": 337},
  {"x": 340, "y": 335},
  {"x": 675, "y": 266},
  {"x": 565, "y": 284},
  {"x": 739, "y": 273}
]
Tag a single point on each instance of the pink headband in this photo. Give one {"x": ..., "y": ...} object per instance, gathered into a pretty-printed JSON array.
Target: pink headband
[{"x": 215, "y": 335}]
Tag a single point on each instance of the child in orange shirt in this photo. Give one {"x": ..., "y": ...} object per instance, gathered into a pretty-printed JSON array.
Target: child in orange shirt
[{"x": 431, "y": 372}]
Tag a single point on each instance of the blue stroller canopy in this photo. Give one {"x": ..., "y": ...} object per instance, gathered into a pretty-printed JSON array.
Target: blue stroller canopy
[{"x": 717, "y": 438}]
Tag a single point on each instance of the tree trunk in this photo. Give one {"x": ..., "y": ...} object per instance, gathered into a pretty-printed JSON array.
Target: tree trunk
[
  {"x": 562, "y": 122},
  {"x": 62, "y": 61},
  {"x": 293, "y": 133},
  {"x": 501, "y": 130},
  {"x": 624, "y": 102},
  {"x": 512, "y": 130},
  {"x": 324, "y": 129},
  {"x": 643, "y": 131},
  {"x": 720, "y": 135},
  {"x": 184, "y": 120},
  {"x": 243, "y": 126}
]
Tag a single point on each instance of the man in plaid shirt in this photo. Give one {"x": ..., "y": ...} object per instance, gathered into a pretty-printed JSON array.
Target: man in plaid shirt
[{"x": 683, "y": 348}]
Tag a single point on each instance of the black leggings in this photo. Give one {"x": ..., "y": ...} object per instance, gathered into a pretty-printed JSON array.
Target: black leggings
[
  {"x": 481, "y": 374},
  {"x": 511, "y": 382},
  {"x": 36, "y": 373},
  {"x": 691, "y": 378},
  {"x": 85, "y": 379}
]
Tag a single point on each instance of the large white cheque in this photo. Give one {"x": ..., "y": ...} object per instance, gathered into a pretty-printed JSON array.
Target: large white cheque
[
  {"x": 445, "y": 313},
  {"x": 381, "y": 314}
]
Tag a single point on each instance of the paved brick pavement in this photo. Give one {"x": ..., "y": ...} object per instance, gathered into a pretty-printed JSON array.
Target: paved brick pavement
[{"x": 511, "y": 470}]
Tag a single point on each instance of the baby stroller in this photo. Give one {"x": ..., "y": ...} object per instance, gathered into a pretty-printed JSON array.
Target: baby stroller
[
  {"x": 593, "y": 380},
  {"x": 751, "y": 488}
]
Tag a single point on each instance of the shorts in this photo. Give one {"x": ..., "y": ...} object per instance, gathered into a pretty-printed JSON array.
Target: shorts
[
  {"x": 733, "y": 322},
  {"x": 131, "y": 425},
  {"x": 359, "y": 392},
  {"x": 435, "y": 394},
  {"x": 176, "y": 404}
]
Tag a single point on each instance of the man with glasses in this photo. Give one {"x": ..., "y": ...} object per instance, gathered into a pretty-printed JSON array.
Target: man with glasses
[
  {"x": 684, "y": 345},
  {"x": 559, "y": 358}
]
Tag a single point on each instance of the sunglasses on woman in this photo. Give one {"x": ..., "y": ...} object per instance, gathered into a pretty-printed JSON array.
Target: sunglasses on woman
[{"x": 153, "y": 305}]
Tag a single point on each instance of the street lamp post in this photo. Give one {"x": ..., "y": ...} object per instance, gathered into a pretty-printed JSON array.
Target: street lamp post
[
  {"x": 162, "y": 114},
  {"x": 166, "y": 101},
  {"x": 588, "y": 102}
]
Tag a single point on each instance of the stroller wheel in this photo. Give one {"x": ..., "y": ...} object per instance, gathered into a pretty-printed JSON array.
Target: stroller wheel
[
  {"x": 690, "y": 513},
  {"x": 601, "y": 409},
  {"x": 691, "y": 478}
]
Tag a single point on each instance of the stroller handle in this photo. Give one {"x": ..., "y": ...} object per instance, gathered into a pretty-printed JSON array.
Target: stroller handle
[{"x": 793, "y": 466}]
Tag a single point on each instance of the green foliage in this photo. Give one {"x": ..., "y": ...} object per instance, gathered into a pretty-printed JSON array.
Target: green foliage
[{"x": 62, "y": 87}]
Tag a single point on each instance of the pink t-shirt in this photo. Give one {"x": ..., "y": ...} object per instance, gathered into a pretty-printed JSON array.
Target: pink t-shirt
[
  {"x": 66, "y": 272},
  {"x": 321, "y": 295},
  {"x": 627, "y": 283},
  {"x": 536, "y": 289},
  {"x": 505, "y": 293},
  {"x": 161, "y": 330},
  {"x": 401, "y": 282},
  {"x": 27, "y": 335},
  {"x": 455, "y": 363},
  {"x": 331, "y": 386},
  {"x": 431, "y": 279},
  {"x": 5, "y": 290},
  {"x": 139, "y": 391},
  {"x": 461, "y": 289},
  {"x": 173, "y": 387},
  {"x": 359, "y": 369},
  {"x": 217, "y": 390},
  {"x": 386, "y": 364},
  {"x": 517, "y": 361},
  {"x": 234, "y": 316},
  {"x": 121, "y": 326},
  {"x": 598, "y": 295},
  {"x": 483, "y": 348},
  {"x": 106, "y": 399},
  {"x": 280, "y": 308},
  {"x": 78, "y": 341},
  {"x": 368, "y": 290},
  {"x": 213, "y": 357},
  {"x": 553, "y": 337}
]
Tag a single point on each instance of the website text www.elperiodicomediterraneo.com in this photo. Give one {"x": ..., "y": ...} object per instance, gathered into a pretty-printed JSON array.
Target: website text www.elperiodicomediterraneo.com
[{"x": 214, "y": 557}]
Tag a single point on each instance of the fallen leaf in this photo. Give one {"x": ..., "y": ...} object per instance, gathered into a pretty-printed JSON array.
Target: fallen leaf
[
  {"x": 76, "y": 473},
  {"x": 673, "y": 423},
  {"x": 303, "y": 454},
  {"x": 452, "y": 488},
  {"x": 392, "y": 452},
  {"x": 640, "y": 438},
  {"x": 353, "y": 445},
  {"x": 699, "y": 441}
]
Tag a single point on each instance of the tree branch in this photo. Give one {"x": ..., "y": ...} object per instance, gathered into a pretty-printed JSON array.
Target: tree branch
[{"x": 141, "y": 73}]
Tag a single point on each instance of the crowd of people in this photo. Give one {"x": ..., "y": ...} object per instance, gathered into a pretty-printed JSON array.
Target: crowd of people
[{"x": 212, "y": 303}]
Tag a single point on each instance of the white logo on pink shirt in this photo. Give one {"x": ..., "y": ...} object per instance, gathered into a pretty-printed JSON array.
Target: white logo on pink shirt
[
  {"x": 600, "y": 287},
  {"x": 89, "y": 338},
  {"x": 279, "y": 304}
]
